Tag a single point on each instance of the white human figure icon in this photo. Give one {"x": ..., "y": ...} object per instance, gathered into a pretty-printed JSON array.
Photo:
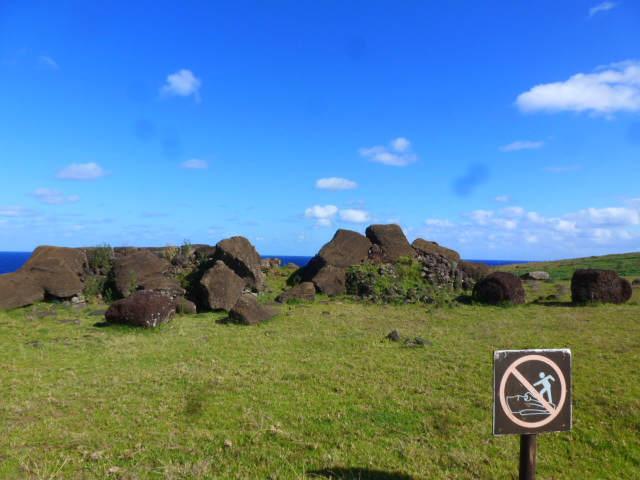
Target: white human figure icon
[{"x": 546, "y": 384}]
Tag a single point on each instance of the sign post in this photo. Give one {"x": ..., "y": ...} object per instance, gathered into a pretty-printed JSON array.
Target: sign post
[{"x": 532, "y": 395}]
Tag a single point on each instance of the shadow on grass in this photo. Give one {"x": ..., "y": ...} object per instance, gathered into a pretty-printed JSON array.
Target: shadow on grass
[{"x": 339, "y": 473}]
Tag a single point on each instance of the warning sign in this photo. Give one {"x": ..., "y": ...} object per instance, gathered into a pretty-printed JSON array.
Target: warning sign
[{"x": 532, "y": 391}]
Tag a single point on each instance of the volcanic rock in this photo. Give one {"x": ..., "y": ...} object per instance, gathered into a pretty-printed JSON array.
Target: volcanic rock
[
  {"x": 500, "y": 287},
  {"x": 142, "y": 309},
  {"x": 595, "y": 285}
]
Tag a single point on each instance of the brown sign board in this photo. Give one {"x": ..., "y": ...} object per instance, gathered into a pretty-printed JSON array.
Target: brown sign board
[{"x": 532, "y": 391}]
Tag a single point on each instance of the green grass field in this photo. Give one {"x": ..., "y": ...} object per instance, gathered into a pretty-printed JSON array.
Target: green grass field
[{"x": 317, "y": 392}]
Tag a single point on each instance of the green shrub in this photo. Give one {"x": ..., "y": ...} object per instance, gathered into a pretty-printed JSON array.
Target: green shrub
[
  {"x": 170, "y": 252},
  {"x": 94, "y": 285},
  {"x": 100, "y": 256}
]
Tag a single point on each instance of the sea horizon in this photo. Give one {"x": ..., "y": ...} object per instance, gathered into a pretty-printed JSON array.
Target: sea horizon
[{"x": 12, "y": 261}]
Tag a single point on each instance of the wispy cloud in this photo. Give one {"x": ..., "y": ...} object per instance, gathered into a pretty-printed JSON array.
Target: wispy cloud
[
  {"x": 503, "y": 199},
  {"x": 354, "y": 216},
  {"x": 182, "y": 83},
  {"x": 47, "y": 62},
  {"x": 16, "y": 211},
  {"x": 53, "y": 197},
  {"x": 81, "y": 171},
  {"x": 194, "y": 164},
  {"x": 521, "y": 145},
  {"x": 613, "y": 88},
  {"x": 335, "y": 183},
  {"x": 398, "y": 154},
  {"x": 603, "y": 7}
]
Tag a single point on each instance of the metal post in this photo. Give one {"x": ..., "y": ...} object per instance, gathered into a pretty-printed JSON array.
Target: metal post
[{"x": 528, "y": 444}]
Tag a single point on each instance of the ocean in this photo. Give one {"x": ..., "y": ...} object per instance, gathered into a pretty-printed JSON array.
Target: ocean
[{"x": 12, "y": 261}]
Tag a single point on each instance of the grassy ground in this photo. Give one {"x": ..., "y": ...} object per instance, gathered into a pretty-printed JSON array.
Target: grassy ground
[{"x": 317, "y": 392}]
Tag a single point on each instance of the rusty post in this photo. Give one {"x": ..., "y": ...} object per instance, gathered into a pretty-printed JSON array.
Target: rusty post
[{"x": 528, "y": 444}]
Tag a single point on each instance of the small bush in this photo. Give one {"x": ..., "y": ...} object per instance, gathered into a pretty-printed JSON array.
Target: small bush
[
  {"x": 100, "y": 256},
  {"x": 170, "y": 252}
]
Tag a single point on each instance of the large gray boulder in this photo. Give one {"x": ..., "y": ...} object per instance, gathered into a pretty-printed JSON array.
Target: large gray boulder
[
  {"x": 424, "y": 246},
  {"x": 392, "y": 240},
  {"x": 595, "y": 285},
  {"x": 248, "y": 311},
  {"x": 240, "y": 256},
  {"x": 142, "y": 309},
  {"x": 221, "y": 287},
  {"x": 144, "y": 270}
]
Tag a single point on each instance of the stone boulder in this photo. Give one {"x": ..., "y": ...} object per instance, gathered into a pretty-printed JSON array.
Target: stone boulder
[
  {"x": 248, "y": 311},
  {"x": 346, "y": 248},
  {"x": 535, "y": 276},
  {"x": 50, "y": 271},
  {"x": 268, "y": 264},
  {"x": 306, "y": 292},
  {"x": 331, "y": 280},
  {"x": 19, "y": 289},
  {"x": 142, "y": 309},
  {"x": 240, "y": 256},
  {"x": 475, "y": 270},
  {"x": 144, "y": 270},
  {"x": 392, "y": 240},
  {"x": 424, "y": 246},
  {"x": 499, "y": 287},
  {"x": 221, "y": 287},
  {"x": 595, "y": 285}
]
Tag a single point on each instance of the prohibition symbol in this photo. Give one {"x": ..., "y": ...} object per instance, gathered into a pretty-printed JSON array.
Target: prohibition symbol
[{"x": 532, "y": 391}]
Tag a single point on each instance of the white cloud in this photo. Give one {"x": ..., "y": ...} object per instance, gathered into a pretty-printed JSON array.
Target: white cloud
[
  {"x": 521, "y": 145},
  {"x": 503, "y": 199},
  {"x": 194, "y": 164},
  {"x": 182, "y": 83},
  {"x": 317, "y": 211},
  {"x": 53, "y": 197},
  {"x": 335, "y": 183},
  {"x": 612, "y": 216},
  {"x": 47, "y": 62},
  {"x": 603, "y": 7},
  {"x": 613, "y": 88},
  {"x": 398, "y": 154},
  {"x": 81, "y": 171},
  {"x": 354, "y": 216}
]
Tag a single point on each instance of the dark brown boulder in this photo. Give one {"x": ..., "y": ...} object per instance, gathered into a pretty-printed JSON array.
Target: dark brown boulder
[
  {"x": 240, "y": 256},
  {"x": 475, "y": 270},
  {"x": 392, "y": 240},
  {"x": 144, "y": 270},
  {"x": 595, "y": 285},
  {"x": 346, "y": 248},
  {"x": 424, "y": 246},
  {"x": 331, "y": 280},
  {"x": 142, "y": 309},
  {"x": 221, "y": 287},
  {"x": 50, "y": 271},
  {"x": 499, "y": 287},
  {"x": 306, "y": 292},
  {"x": 19, "y": 289},
  {"x": 248, "y": 311}
]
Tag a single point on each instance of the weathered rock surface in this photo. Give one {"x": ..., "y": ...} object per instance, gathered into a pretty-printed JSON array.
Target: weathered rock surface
[
  {"x": 306, "y": 292},
  {"x": 144, "y": 270},
  {"x": 248, "y": 311},
  {"x": 346, "y": 248},
  {"x": 424, "y": 246},
  {"x": 595, "y": 285},
  {"x": 535, "y": 276},
  {"x": 392, "y": 240},
  {"x": 331, "y": 280},
  {"x": 475, "y": 270},
  {"x": 268, "y": 264},
  {"x": 500, "y": 287},
  {"x": 221, "y": 287},
  {"x": 241, "y": 257},
  {"x": 50, "y": 271},
  {"x": 142, "y": 309}
]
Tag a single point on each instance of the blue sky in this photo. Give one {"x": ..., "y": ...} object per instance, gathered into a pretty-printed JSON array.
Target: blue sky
[{"x": 502, "y": 129}]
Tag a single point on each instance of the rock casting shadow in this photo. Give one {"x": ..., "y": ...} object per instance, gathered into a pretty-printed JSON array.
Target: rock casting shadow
[{"x": 338, "y": 473}]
